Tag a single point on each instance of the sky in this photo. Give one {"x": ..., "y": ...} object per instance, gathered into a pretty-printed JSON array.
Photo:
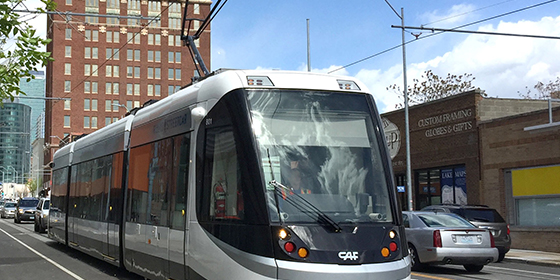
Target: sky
[{"x": 257, "y": 34}]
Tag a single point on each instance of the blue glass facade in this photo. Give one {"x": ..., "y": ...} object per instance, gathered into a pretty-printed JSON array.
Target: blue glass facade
[{"x": 15, "y": 145}]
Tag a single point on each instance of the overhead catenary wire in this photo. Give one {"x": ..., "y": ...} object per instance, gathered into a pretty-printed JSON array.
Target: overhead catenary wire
[{"x": 437, "y": 33}]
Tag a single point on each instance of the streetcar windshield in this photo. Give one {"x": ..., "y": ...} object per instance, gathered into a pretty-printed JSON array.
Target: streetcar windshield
[{"x": 320, "y": 155}]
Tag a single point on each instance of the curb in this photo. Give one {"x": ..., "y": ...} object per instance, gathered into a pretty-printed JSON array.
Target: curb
[{"x": 553, "y": 263}]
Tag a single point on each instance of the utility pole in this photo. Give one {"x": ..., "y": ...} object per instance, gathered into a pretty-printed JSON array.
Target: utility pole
[{"x": 407, "y": 126}]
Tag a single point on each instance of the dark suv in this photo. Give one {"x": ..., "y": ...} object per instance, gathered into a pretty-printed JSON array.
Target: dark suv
[
  {"x": 25, "y": 209},
  {"x": 481, "y": 216}
]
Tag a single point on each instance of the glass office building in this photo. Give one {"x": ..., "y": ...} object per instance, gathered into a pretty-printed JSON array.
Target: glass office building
[{"x": 15, "y": 128}]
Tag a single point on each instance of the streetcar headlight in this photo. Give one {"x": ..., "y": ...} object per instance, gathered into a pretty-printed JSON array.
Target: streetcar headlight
[
  {"x": 20, "y": 211},
  {"x": 283, "y": 234},
  {"x": 348, "y": 85},
  {"x": 392, "y": 234}
]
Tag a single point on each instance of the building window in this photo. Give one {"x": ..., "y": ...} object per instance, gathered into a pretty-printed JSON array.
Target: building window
[
  {"x": 129, "y": 89},
  {"x": 157, "y": 73},
  {"x": 129, "y": 104},
  {"x": 93, "y": 122},
  {"x": 178, "y": 57},
  {"x": 112, "y": 71},
  {"x": 67, "y": 69},
  {"x": 178, "y": 74},
  {"x": 87, "y": 70},
  {"x": 68, "y": 34},
  {"x": 171, "y": 40},
  {"x": 107, "y": 121},
  {"x": 196, "y": 9},
  {"x": 113, "y": 36},
  {"x": 137, "y": 89},
  {"x": 150, "y": 72},
  {"x": 150, "y": 56},
  {"x": 94, "y": 87},
  {"x": 66, "y": 121},
  {"x": 129, "y": 71},
  {"x": 113, "y": 7},
  {"x": 108, "y": 105},
  {"x": 87, "y": 87},
  {"x": 129, "y": 55},
  {"x": 67, "y": 105},
  {"x": 171, "y": 57},
  {"x": 67, "y": 51},
  {"x": 150, "y": 90},
  {"x": 112, "y": 54},
  {"x": 91, "y": 35},
  {"x": 87, "y": 104},
  {"x": 94, "y": 104},
  {"x": 112, "y": 88},
  {"x": 86, "y": 122},
  {"x": 67, "y": 86},
  {"x": 92, "y": 20},
  {"x": 136, "y": 71},
  {"x": 134, "y": 7},
  {"x": 157, "y": 90},
  {"x": 136, "y": 55},
  {"x": 136, "y": 104},
  {"x": 68, "y": 2}
]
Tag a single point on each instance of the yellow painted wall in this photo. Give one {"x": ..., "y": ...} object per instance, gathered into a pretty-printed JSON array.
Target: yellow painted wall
[{"x": 536, "y": 181}]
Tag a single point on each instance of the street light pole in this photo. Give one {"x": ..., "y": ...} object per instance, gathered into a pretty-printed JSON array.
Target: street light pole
[{"x": 15, "y": 171}]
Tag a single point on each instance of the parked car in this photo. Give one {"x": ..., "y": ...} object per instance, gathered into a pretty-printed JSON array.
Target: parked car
[
  {"x": 446, "y": 238},
  {"x": 25, "y": 209},
  {"x": 483, "y": 217},
  {"x": 42, "y": 215},
  {"x": 8, "y": 210}
]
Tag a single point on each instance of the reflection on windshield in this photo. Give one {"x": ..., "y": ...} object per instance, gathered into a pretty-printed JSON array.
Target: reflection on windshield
[{"x": 321, "y": 147}]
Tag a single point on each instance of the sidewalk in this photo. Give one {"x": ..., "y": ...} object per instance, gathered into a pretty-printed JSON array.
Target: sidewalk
[{"x": 533, "y": 257}]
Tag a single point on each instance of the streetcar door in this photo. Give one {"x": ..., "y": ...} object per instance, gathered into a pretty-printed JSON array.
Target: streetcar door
[{"x": 178, "y": 189}]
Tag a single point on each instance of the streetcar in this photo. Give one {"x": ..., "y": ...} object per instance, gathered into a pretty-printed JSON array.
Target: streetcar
[{"x": 245, "y": 174}]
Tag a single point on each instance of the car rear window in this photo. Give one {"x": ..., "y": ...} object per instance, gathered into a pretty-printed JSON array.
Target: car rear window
[
  {"x": 482, "y": 215},
  {"x": 444, "y": 220},
  {"x": 10, "y": 204},
  {"x": 28, "y": 203}
]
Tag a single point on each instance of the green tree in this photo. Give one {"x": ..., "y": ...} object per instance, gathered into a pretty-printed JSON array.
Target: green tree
[
  {"x": 20, "y": 48},
  {"x": 431, "y": 87},
  {"x": 544, "y": 91},
  {"x": 32, "y": 185}
]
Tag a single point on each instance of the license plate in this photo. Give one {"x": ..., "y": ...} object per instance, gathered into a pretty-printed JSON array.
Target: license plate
[
  {"x": 32, "y": 218},
  {"x": 466, "y": 239}
]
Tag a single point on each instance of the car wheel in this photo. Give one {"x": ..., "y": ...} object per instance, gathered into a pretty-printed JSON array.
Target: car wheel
[
  {"x": 501, "y": 257},
  {"x": 473, "y": 267},
  {"x": 416, "y": 264},
  {"x": 16, "y": 220}
]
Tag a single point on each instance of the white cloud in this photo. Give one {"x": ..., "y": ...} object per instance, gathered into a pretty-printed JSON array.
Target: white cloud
[
  {"x": 501, "y": 65},
  {"x": 451, "y": 17}
]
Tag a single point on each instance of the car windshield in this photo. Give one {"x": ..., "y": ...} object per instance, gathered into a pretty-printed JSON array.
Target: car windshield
[
  {"x": 10, "y": 204},
  {"x": 482, "y": 215},
  {"x": 28, "y": 203},
  {"x": 444, "y": 220},
  {"x": 46, "y": 205},
  {"x": 320, "y": 157}
]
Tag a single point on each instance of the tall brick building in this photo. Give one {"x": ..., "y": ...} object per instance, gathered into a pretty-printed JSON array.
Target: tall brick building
[{"x": 107, "y": 65}]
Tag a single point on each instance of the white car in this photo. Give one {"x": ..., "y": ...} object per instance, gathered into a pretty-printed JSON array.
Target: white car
[
  {"x": 445, "y": 238},
  {"x": 42, "y": 215}
]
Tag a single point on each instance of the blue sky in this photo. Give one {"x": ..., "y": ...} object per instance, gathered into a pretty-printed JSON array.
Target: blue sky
[
  {"x": 254, "y": 34},
  {"x": 266, "y": 34}
]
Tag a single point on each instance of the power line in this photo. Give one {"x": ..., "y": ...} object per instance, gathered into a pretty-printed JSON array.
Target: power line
[
  {"x": 437, "y": 33},
  {"x": 466, "y": 13}
]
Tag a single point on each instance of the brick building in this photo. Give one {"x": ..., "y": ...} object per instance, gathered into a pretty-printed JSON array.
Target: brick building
[
  {"x": 465, "y": 148},
  {"x": 107, "y": 65}
]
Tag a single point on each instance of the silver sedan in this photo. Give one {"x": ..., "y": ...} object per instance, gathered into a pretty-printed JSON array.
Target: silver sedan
[{"x": 445, "y": 238}]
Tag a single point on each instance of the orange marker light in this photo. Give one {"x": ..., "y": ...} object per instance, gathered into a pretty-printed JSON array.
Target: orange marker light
[
  {"x": 385, "y": 252},
  {"x": 303, "y": 253}
]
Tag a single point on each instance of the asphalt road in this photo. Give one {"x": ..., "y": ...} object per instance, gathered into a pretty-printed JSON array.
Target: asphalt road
[{"x": 25, "y": 254}]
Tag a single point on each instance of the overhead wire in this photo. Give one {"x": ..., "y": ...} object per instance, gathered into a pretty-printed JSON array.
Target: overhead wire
[{"x": 437, "y": 33}]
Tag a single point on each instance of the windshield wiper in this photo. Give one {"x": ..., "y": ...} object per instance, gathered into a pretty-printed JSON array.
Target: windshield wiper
[{"x": 304, "y": 206}]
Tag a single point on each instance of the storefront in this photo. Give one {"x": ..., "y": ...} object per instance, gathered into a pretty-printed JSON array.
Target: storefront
[
  {"x": 467, "y": 149},
  {"x": 444, "y": 151}
]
